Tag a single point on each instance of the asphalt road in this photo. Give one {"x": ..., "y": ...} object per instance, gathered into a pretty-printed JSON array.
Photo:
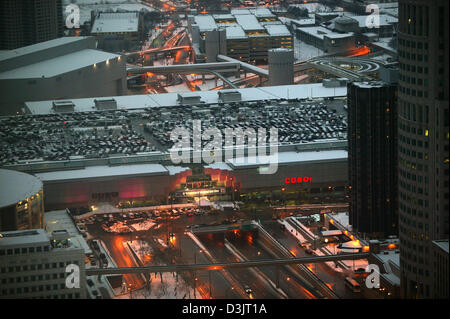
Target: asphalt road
[{"x": 333, "y": 279}]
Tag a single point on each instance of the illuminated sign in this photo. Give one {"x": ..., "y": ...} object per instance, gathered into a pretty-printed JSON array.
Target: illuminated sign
[
  {"x": 203, "y": 192},
  {"x": 293, "y": 180}
]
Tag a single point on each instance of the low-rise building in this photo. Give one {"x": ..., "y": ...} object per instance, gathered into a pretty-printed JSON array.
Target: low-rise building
[
  {"x": 249, "y": 33},
  {"x": 117, "y": 31},
  {"x": 36, "y": 265},
  {"x": 326, "y": 40},
  {"x": 440, "y": 266},
  {"x": 69, "y": 67}
]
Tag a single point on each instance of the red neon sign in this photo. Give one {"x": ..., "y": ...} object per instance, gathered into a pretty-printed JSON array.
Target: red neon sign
[{"x": 293, "y": 180}]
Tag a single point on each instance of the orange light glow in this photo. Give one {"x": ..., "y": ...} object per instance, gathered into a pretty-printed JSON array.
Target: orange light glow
[
  {"x": 360, "y": 51},
  {"x": 391, "y": 246},
  {"x": 331, "y": 221},
  {"x": 366, "y": 248}
]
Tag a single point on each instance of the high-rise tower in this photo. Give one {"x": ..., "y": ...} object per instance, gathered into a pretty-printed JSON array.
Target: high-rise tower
[
  {"x": 26, "y": 22},
  {"x": 423, "y": 136},
  {"x": 372, "y": 158}
]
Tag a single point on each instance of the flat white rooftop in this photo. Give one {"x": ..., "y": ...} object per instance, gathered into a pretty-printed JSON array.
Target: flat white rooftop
[
  {"x": 205, "y": 22},
  {"x": 249, "y": 22},
  {"x": 60, "y": 220},
  {"x": 59, "y": 65},
  {"x": 235, "y": 31},
  {"x": 384, "y": 19},
  {"x": 5, "y": 55},
  {"x": 300, "y": 91},
  {"x": 103, "y": 172},
  {"x": 113, "y": 22},
  {"x": 277, "y": 30},
  {"x": 289, "y": 158},
  {"x": 23, "y": 237},
  {"x": 320, "y": 32}
]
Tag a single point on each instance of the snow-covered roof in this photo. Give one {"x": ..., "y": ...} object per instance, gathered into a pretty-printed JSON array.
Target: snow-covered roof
[
  {"x": 300, "y": 91},
  {"x": 443, "y": 244},
  {"x": 289, "y": 158},
  {"x": 370, "y": 85},
  {"x": 8, "y": 54},
  {"x": 320, "y": 32},
  {"x": 17, "y": 186},
  {"x": 262, "y": 13},
  {"x": 103, "y": 172},
  {"x": 176, "y": 169},
  {"x": 277, "y": 30},
  {"x": 205, "y": 22},
  {"x": 249, "y": 22},
  {"x": 59, "y": 65},
  {"x": 240, "y": 11},
  {"x": 223, "y": 17},
  {"x": 384, "y": 20},
  {"x": 299, "y": 22},
  {"x": 112, "y": 22},
  {"x": 235, "y": 31},
  {"x": 334, "y": 232},
  {"x": 60, "y": 220},
  {"x": 22, "y": 237}
]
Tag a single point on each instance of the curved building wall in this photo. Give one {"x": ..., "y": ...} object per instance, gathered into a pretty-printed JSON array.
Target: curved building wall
[{"x": 22, "y": 201}]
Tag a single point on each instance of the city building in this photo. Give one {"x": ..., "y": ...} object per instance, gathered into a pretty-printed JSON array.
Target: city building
[
  {"x": 360, "y": 6},
  {"x": 21, "y": 201},
  {"x": 117, "y": 31},
  {"x": 35, "y": 265},
  {"x": 440, "y": 269},
  {"x": 384, "y": 26},
  {"x": 281, "y": 66},
  {"x": 326, "y": 39},
  {"x": 386, "y": 255},
  {"x": 68, "y": 67},
  {"x": 423, "y": 138},
  {"x": 130, "y": 167},
  {"x": 249, "y": 33},
  {"x": 26, "y": 22},
  {"x": 324, "y": 173},
  {"x": 372, "y": 158}
]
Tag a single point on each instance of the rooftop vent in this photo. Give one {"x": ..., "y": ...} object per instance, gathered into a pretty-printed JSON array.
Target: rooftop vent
[
  {"x": 186, "y": 98},
  {"x": 230, "y": 96},
  {"x": 105, "y": 104},
  {"x": 63, "y": 106}
]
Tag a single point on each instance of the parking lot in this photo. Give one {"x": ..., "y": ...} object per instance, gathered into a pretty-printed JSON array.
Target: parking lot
[{"x": 112, "y": 133}]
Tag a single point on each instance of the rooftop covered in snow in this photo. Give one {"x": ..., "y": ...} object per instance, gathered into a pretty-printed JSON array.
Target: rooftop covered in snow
[
  {"x": 301, "y": 91},
  {"x": 113, "y": 22}
]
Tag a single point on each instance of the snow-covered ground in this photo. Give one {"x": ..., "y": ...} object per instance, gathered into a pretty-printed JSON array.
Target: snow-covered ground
[
  {"x": 164, "y": 286},
  {"x": 303, "y": 51}
]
